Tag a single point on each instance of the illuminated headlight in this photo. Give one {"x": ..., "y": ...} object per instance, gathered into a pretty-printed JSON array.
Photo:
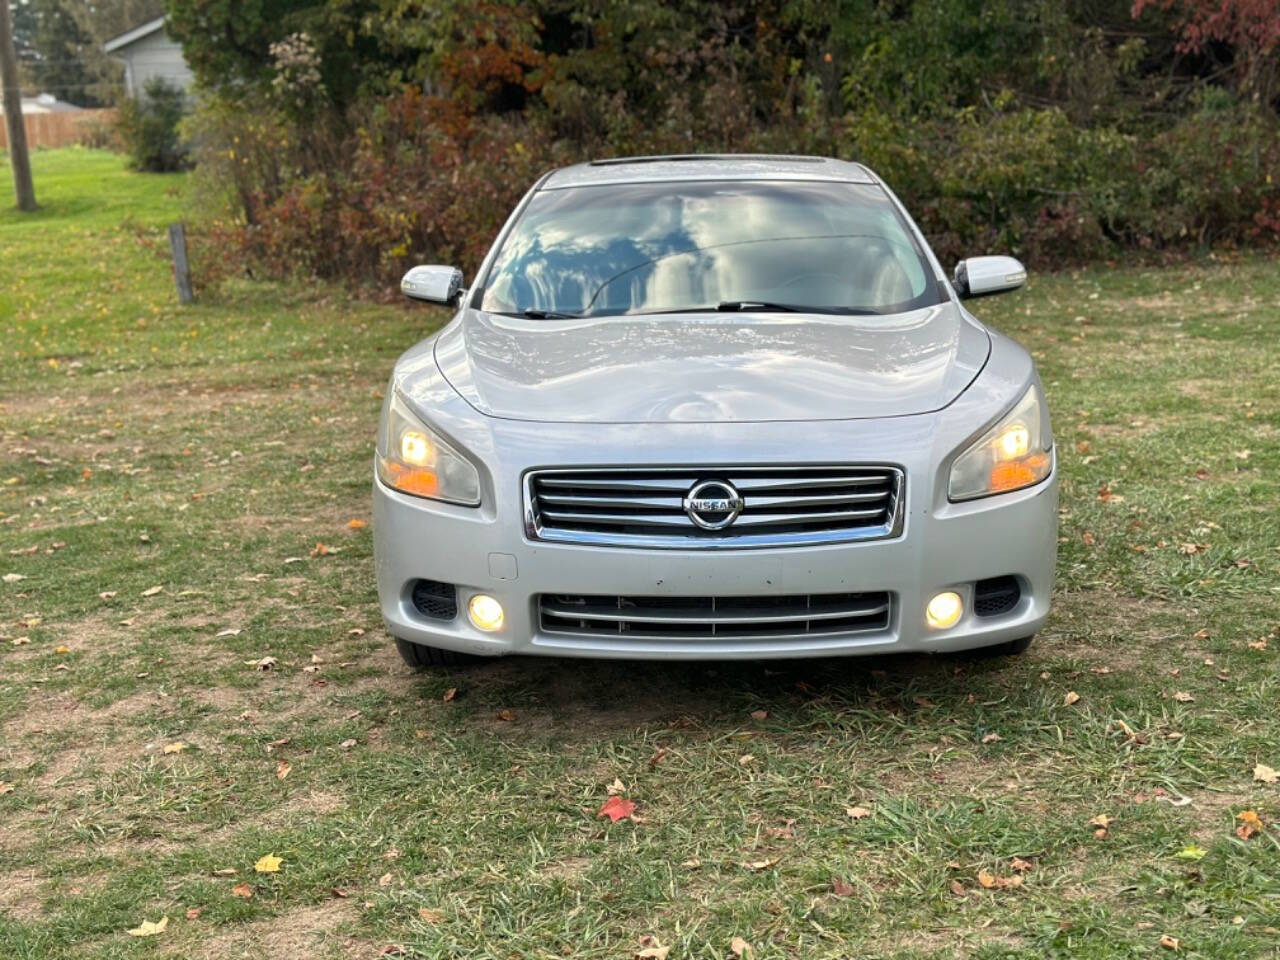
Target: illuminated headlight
[
  {"x": 1013, "y": 454},
  {"x": 413, "y": 458}
]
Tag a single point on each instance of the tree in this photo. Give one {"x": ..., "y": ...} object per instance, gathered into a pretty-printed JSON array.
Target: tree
[
  {"x": 54, "y": 47},
  {"x": 23, "y": 189}
]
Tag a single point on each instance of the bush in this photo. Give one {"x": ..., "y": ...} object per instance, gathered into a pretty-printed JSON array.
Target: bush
[{"x": 148, "y": 126}]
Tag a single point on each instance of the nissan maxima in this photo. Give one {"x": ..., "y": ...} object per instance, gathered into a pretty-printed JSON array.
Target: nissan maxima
[{"x": 701, "y": 407}]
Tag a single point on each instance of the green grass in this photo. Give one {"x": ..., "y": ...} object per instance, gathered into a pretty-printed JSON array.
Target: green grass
[{"x": 207, "y": 450}]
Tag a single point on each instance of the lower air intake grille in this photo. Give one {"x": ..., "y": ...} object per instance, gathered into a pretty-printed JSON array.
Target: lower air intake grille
[
  {"x": 698, "y": 618},
  {"x": 998, "y": 595},
  {"x": 436, "y": 600},
  {"x": 691, "y": 508}
]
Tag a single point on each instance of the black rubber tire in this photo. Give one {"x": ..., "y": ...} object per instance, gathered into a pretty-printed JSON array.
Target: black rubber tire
[
  {"x": 419, "y": 656},
  {"x": 1012, "y": 648}
]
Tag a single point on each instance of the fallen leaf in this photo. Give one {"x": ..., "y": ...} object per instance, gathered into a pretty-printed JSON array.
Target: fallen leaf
[
  {"x": 745, "y": 759},
  {"x": 992, "y": 882},
  {"x": 355, "y": 523},
  {"x": 194, "y": 913},
  {"x": 1170, "y": 943},
  {"x": 13, "y": 577},
  {"x": 62, "y": 649},
  {"x": 225, "y": 872},
  {"x": 1183, "y": 697},
  {"x": 108, "y": 595},
  {"x": 759, "y": 714},
  {"x": 1022, "y": 866},
  {"x": 282, "y": 770},
  {"x": 348, "y": 744},
  {"x": 270, "y": 863},
  {"x": 229, "y": 632},
  {"x": 506, "y": 715},
  {"x": 1101, "y": 820},
  {"x": 857, "y": 813},
  {"x": 1264, "y": 774},
  {"x": 242, "y": 890},
  {"x": 1200, "y": 635},
  {"x": 152, "y": 591},
  {"x": 657, "y": 757},
  {"x": 1250, "y": 823},
  {"x": 176, "y": 747},
  {"x": 20, "y": 641},
  {"x": 651, "y": 949},
  {"x": 320, "y": 550},
  {"x": 616, "y": 808},
  {"x": 1190, "y": 852},
  {"x": 149, "y": 929},
  {"x": 739, "y": 947},
  {"x": 992, "y": 738},
  {"x": 616, "y": 788},
  {"x": 266, "y": 663},
  {"x": 762, "y": 864},
  {"x": 1087, "y": 538},
  {"x": 840, "y": 888},
  {"x": 385, "y": 880},
  {"x": 1071, "y": 698},
  {"x": 450, "y": 694},
  {"x": 957, "y": 888},
  {"x": 429, "y": 915},
  {"x": 1258, "y": 644},
  {"x": 6, "y": 788}
]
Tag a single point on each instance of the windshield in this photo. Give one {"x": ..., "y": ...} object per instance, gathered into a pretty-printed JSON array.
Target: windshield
[{"x": 668, "y": 247}]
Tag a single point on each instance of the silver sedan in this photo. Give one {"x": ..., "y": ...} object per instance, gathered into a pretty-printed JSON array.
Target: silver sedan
[{"x": 706, "y": 407}]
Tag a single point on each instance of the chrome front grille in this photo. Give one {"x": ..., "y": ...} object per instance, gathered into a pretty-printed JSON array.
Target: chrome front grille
[
  {"x": 779, "y": 506},
  {"x": 696, "y": 618}
]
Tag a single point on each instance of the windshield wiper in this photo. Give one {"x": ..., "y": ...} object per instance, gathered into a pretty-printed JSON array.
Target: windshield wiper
[
  {"x": 535, "y": 314},
  {"x": 736, "y": 306}
]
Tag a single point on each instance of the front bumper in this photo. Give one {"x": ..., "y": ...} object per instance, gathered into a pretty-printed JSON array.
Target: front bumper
[{"x": 943, "y": 546}]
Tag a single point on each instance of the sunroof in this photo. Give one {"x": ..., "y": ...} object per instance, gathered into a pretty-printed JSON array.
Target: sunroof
[{"x": 693, "y": 157}]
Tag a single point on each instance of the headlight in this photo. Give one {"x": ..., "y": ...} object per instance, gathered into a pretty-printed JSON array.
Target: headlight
[
  {"x": 1011, "y": 455},
  {"x": 414, "y": 459}
]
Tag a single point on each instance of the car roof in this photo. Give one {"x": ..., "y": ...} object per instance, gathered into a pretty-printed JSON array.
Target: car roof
[{"x": 705, "y": 166}]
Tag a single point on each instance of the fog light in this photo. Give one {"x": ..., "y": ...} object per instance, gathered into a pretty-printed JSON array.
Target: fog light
[
  {"x": 485, "y": 612},
  {"x": 944, "y": 610}
]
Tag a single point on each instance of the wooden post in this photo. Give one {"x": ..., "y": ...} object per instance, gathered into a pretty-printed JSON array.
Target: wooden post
[
  {"x": 178, "y": 247},
  {"x": 19, "y": 160}
]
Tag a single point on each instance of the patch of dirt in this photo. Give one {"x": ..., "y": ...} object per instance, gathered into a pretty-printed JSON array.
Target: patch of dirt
[
  {"x": 1139, "y": 624},
  {"x": 20, "y": 894},
  {"x": 302, "y": 933}
]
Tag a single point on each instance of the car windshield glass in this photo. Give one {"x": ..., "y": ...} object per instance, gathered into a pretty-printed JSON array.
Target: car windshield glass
[{"x": 668, "y": 247}]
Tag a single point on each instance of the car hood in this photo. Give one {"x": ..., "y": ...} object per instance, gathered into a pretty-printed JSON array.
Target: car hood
[{"x": 712, "y": 368}]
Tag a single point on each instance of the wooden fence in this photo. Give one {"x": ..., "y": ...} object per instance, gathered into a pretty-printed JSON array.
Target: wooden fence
[{"x": 59, "y": 129}]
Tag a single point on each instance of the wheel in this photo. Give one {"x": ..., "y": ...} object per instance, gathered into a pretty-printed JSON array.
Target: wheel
[
  {"x": 1012, "y": 648},
  {"x": 419, "y": 655}
]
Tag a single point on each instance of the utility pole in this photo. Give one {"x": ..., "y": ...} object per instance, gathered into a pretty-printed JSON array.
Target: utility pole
[{"x": 19, "y": 159}]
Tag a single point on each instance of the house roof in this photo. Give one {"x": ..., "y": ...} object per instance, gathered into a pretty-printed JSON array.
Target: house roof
[{"x": 137, "y": 33}]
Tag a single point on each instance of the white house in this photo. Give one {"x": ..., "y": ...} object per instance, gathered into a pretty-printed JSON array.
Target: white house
[{"x": 146, "y": 52}]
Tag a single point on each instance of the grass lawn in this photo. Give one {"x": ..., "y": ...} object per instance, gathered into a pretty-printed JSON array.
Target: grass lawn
[{"x": 168, "y": 476}]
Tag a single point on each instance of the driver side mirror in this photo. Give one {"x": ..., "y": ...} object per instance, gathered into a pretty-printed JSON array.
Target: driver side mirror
[
  {"x": 433, "y": 283},
  {"x": 983, "y": 276}
]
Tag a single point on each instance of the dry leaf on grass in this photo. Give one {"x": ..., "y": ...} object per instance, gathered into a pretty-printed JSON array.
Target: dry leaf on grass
[
  {"x": 507, "y": 716},
  {"x": 229, "y": 632},
  {"x": 348, "y": 744},
  {"x": 176, "y": 747},
  {"x": 1071, "y": 698},
  {"x": 1191, "y": 853},
  {"x": 616, "y": 808},
  {"x": 429, "y": 915},
  {"x": 763, "y": 864},
  {"x": 148, "y": 929},
  {"x": 1022, "y": 866},
  {"x": 13, "y": 577},
  {"x": 857, "y": 813},
  {"x": 194, "y": 913},
  {"x": 739, "y": 947},
  {"x": 6, "y": 788},
  {"x": 450, "y": 694},
  {"x": 266, "y": 663},
  {"x": 1250, "y": 823},
  {"x": 651, "y": 949},
  {"x": 282, "y": 770},
  {"x": 1264, "y": 774},
  {"x": 841, "y": 888},
  {"x": 20, "y": 641},
  {"x": 62, "y": 649},
  {"x": 992, "y": 738},
  {"x": 992, "y": 882},
  {"x": 759, "y": 714},
  {"x": 616, "y": 788},
  {"x": 1170, "y": 943},
  {"x": 355, "y": 523},
  {"x": 269, "y": 863},
  {"x": 107, "y": 595},
  {"x": 152, "y": 591},
  {"x": 1183, "y": 697}
]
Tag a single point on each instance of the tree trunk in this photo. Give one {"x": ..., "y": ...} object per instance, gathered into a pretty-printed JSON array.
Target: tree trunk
[{"x": 19, "y": 160}]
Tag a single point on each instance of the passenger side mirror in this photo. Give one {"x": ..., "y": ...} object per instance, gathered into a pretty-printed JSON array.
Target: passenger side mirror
[
  {"x": 433, "y": 283},
  {"x": 982, "y": 276}
]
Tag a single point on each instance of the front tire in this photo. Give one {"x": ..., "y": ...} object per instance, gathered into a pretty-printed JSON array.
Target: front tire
[{"x": 419, "y": 656}]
